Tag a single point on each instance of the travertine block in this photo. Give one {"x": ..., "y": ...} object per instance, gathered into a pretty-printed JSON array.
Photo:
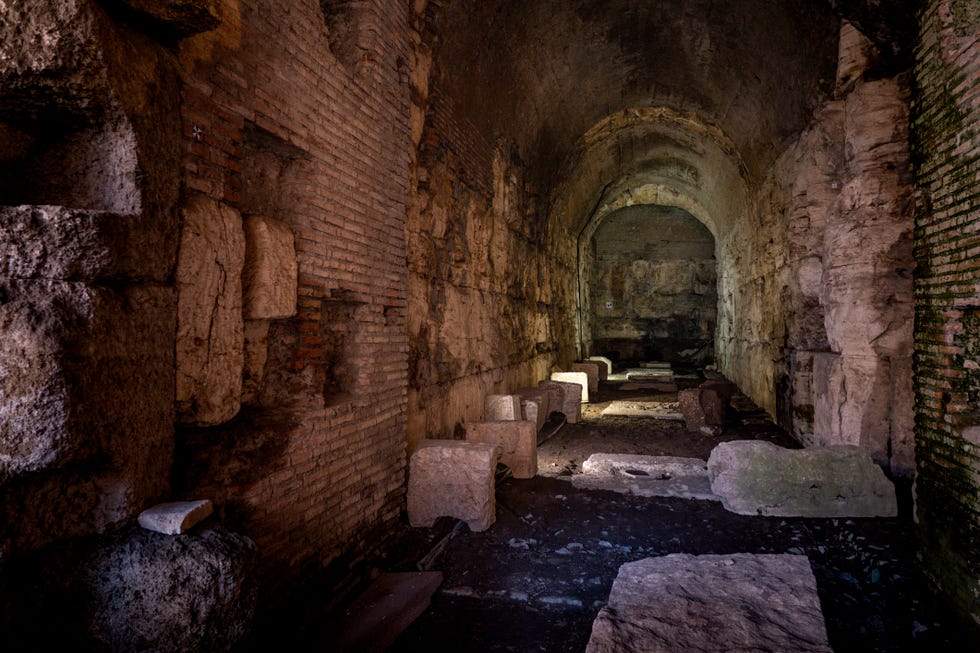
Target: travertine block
[
  {"x": 501, "y": 407},
  {"x": 449, "y": 478},
  {"x": 592, "y": 372},
  {"x": 581, "y": 378},
  {"x": 758, "y": 478},
  {"x": 737, "y": 602},
  {"x": 175, "y": 517},
  {"x": 210, "y": 340},
  {"x": 605, "y": 366},
  {"x": 565, "y": 398},
  {"x": 535, "y": 405},
  {"x": 517, "y": 440},
  {"x": 269, "y": 276},
  {"x": 703, "y": 409}
]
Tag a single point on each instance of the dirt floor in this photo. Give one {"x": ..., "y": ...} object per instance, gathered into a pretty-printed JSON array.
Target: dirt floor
[{"x": 536, "y": 579}]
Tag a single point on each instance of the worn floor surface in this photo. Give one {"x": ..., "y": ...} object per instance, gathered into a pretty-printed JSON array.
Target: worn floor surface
[{"x": 536, "y": 579}]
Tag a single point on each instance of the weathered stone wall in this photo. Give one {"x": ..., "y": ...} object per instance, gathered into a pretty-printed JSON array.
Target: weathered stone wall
[
  {"x": 946, "y": 155},
  {"x": 490, "y": 287},
  {"x": 296, "y": 155},
  {"x": 653, "y": 288},
  {"x": 816, "y": 290},
  {"x": 88, "y": 145}
]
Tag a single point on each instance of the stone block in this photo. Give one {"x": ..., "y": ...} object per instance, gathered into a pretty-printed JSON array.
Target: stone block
[
  {"x": 605, "y": 366},
  {"x": 591, "y": 371},
  {"x": 703, "y": 410},
  {"x": 759, "y": 478},
  {"x": 565, "y": 398},
  {"x": 175, "y": 517},
  {"x": 501, "y": 407},
  {"x": 535, "y": 405},
  {"x": 210, "y": 327},
  {"x": 145, "y": 591},
  {"x": 581, "y": 378},
  {"x": 724, "y": 389},
  {"x": 85, "y": 370},
  {"x": 518, "y": 442},
  {"x": 738, "y": 602},
  {"x": 449, "y": 478},
  {"x": 269, "y": 276}
]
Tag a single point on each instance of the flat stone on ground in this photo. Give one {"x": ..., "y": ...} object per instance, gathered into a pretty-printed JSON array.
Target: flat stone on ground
[
  {"x": 682, "y": 603},
  {"x": 646, "y": 476},
  {"x": 652, "y": 409},
  {"x": 759, "y": 478},
  {"x": 175, "y": 517}
]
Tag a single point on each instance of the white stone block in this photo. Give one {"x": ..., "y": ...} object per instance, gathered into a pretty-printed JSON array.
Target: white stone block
[{"x": 175, "y": 517}]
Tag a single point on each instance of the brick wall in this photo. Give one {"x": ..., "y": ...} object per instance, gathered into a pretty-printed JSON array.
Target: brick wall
[
  {"x": 283, "y": 116},
  {"x": 946, "y": 158}
]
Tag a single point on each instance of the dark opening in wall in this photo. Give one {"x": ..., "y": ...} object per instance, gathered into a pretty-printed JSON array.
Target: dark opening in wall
[{"x": 338, "y": 325}]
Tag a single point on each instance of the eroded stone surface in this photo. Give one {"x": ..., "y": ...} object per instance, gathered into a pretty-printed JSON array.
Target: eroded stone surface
[
  {"x": 592, "y": 372},
  {"x": 683, "y": 603},
  {"x": 449, "y": 478},
  {"x": 146, "y": 591},
  {"x": 535, "y": 405},
  {"x": 565, "y": 398},
  {"x": 703, "y": 410},
  {"x": 605, "y": 366},
  {"x": 269, "y": 276},
  {"x": 759, "y": 478},
  {"x": 501, "y": 407},
  {"x": 517, "y": 440},
  {"x": 210, "y": 340},
  {"x": 646, "y": 476},
  {"x": 652, "y": 409}
]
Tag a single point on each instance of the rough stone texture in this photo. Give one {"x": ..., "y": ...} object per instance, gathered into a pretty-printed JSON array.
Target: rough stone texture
[
  {"x": 703, "y": 410},
  {"x": 517, "y": 439},
  {"x": 86, "y": 375},
  {"x": 646, "y": 476},
  {"x": 175, "y": 517},
  {"x": 183, "y": 17},
  {"x": 605, "y": 366},
  {"x": 535, "y": 405},
  {"x": 653, "y": 285},
  {"x": 581, "y": 378},
  {"x": 759, "y": 478},
  {"x": 502, "y": 407},
  {"x": 269, "y": 274},
  {"x": 448, "y": 478},
  {"x": 146, "y": 591},
  {"x": 652, "y": 409},
  {"x": 565, "y": 398},
  {"x": 741, "y": 602},
  {"x": 592, "y": 371},
  {"x": 946, "y": 151},
  {"x": 210, "y": 339}
]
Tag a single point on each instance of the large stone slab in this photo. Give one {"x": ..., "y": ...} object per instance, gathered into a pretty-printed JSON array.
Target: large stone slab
[
  {"x": 682, "y": 603},
  {"x": 148, "y": 592},
  {"x": 517, "y": 439},
  {"x": 269, "y": 276},
  {"x": 450, "y": 478},
  {"x": 175, "y": 517},
  {"x": 646, "y": 476},
  {"x": 210, "y": 328},
  {"x": 581, "y": 378},
  {"x": 565, "y": 398},
  {"x": 759, "y": 478},
  {"x": 501, "y": 407},
  {"x": 651, "y": 409},
  {"x": 591, "y": 371}
]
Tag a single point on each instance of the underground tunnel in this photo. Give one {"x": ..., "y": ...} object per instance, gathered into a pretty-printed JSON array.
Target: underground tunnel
[{"x": 279, "y": 280}]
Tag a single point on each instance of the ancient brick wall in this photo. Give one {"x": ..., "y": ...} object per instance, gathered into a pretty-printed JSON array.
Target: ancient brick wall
[
  {"x": 946, "y": 158},
  {"x": 488, "y": 297},
  {"x": 297, "y": 113}
]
